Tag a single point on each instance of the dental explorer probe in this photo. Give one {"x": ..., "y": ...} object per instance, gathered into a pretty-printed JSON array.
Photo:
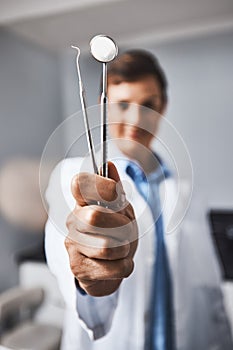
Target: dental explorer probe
[{"x": 85, "y": 116}]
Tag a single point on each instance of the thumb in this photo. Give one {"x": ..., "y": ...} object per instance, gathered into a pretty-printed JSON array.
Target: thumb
[
  {"x": 112, "y": 172},
  {"x": 114, "y": 175}
]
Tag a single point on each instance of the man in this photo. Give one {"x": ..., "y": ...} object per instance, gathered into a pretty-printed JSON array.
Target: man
[{"x": 126, "y": 283}]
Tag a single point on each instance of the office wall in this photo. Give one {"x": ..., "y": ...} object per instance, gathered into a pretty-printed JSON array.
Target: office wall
[
  {"x": 201, "y": 84},
  {"x": 30, "y": 109},
  {"x": 200, "y": 76}
]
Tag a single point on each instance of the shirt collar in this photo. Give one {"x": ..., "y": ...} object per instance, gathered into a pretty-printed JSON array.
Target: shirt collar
[
  {"x": 161, "y": 172},
  {"x": 158, "y": 175}
]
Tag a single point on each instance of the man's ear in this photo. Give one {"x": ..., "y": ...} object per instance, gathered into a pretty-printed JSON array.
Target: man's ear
[{"x": 163, "y": 109}]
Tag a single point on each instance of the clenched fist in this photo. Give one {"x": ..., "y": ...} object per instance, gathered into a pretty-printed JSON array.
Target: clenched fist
[{"x": 102, "y": 237}]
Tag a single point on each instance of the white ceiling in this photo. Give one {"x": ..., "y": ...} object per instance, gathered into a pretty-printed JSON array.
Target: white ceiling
[{"x": 56, "y": 24}]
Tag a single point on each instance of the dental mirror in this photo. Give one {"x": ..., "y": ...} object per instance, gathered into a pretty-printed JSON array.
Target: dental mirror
[{"x": 104, "y": 50}]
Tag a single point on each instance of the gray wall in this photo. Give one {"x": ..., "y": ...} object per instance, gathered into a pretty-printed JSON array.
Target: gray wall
[
  {"x": 201, "y": 84},
  {"x": 30, "y": 109}
]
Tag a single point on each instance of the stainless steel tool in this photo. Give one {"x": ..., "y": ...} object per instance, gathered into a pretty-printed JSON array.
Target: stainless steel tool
[
  {"x": 103, "y": 49},
  {"x": 85, "y": 116}
]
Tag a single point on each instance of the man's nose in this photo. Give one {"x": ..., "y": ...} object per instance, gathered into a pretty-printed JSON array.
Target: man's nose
[{"x": 135, "y": 114}]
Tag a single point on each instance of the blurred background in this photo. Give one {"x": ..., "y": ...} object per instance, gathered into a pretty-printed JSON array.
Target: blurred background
[{"x": 38, "y": 90}]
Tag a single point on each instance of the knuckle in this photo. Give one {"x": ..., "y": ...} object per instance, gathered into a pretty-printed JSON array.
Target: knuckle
[
  {"x": 104, "y": 253},
  {"x": 119, "y": 252},
  {"x": 69, "y": 220},
  {"x": 107, "y": 253},
  {"x": 125, "y": 250},
  {"x": 67, "y": 243},
  {"x": 128, "y": 267},
  {"x": 78, "y": 269},
  {"x": 126, "y": 228},
  {"x": 78, "y": 184},
  {"x": 74, "y": 266},
  {"x": 96, "y": 216},
  {"x": 91, "y": 216},
  {"x": 86, "y": 218},
  {"x": 75, "y": 184},
  {"x": 132, "y": 231},
  {"x": 130, "y": 211},
  {"x": 79, "y": 179}
]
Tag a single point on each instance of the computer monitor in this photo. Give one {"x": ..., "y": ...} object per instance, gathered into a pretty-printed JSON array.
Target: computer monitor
[{"x": 221, "y": 222}]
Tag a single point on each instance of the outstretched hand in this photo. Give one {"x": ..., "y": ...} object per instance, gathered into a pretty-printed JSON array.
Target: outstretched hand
[{"x": 102, "y": 237}]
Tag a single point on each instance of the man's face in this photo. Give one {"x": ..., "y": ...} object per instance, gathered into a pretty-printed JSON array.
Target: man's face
[{"x": 135, "y": 109}]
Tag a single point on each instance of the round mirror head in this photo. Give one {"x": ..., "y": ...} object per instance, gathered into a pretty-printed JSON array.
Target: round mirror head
[{"x": 103, "y": 48}]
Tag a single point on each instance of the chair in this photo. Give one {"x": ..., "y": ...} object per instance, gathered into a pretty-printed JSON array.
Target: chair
[{"x": 18, "y": 328}]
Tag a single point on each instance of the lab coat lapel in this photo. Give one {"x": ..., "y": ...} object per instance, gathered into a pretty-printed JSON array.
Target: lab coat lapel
[{"x": 169, "y": 195}]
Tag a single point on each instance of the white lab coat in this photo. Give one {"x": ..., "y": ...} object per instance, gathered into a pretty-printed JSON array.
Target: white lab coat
[{"x": 200, "y": 319}]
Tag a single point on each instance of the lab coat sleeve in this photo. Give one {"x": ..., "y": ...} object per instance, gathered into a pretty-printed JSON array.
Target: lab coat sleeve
[{"x": 94, "y": 313}]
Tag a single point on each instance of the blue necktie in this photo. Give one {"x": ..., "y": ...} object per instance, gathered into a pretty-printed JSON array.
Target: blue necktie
[{"x": 161, "y": 330}]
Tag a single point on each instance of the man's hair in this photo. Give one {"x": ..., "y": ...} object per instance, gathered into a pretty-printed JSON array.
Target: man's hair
[{"x": 133, "y": 65}]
